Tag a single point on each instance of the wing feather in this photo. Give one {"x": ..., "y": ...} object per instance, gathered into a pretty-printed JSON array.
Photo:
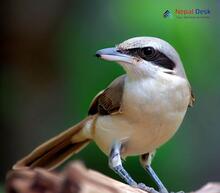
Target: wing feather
[
  {"x": 109, "y": 100},
  {"x": 192, "y": 99}
]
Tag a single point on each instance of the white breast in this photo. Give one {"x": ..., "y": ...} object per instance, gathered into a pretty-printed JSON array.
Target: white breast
[{"x": 152, "y": 112}]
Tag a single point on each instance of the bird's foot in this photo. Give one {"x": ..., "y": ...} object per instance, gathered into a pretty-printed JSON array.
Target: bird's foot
[
  {"x": 178, "y": 192},
  {"x": 148, "y": 189}
]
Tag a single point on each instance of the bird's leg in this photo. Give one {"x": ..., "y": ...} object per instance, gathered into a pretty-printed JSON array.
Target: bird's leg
[
  {"x": 116, "y": 165},
  {"x": 158, "y": 182},
  {"x": 146, "y": 163}
]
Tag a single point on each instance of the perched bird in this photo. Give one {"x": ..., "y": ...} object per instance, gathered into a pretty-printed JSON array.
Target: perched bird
[{"x": 137, "y": 113}]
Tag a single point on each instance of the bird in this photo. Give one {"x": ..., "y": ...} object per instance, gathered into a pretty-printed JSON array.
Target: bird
[{"x": 133, "y": 116}]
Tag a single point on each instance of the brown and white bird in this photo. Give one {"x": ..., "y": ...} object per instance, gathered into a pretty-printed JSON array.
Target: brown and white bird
[{"x": 137, "y": 113}]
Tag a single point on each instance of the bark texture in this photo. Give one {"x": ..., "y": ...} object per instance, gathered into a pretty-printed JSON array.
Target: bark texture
[{"x": 74, "y": 179}]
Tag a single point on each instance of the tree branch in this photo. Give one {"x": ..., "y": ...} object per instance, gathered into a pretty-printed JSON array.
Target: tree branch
[{"x": 74, "y": 179}]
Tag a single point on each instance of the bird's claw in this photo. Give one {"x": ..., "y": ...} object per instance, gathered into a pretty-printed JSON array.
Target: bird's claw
[
  {"x": 142, "y": 186},
  {"x": 148, "y": 189},
  {"x": 178, "y": 192}
]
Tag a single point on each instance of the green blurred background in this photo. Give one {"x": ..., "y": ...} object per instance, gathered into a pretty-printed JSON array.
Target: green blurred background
[{"x": 49, "y": 76}]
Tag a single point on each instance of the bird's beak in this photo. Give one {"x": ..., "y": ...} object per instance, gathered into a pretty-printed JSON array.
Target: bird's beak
[{"x": 112, "y": 54}]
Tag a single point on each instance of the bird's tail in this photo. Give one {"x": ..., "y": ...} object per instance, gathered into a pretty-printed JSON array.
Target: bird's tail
[{"x": 55, "y": 151}]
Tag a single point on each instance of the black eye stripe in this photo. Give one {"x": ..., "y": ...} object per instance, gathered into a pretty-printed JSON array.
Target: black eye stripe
[
  {"x": 164, "y": 61},
  {"x": 156, "y": 57}
]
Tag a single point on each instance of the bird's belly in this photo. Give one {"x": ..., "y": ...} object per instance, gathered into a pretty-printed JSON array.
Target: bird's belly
[
  {"x": 139, "y": 136},
  {"x": 151, "y": 133}
]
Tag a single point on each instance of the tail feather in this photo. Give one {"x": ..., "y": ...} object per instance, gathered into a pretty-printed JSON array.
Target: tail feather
[{"x": 55, "y": 151}]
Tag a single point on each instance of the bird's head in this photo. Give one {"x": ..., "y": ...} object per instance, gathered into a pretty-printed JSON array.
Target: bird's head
[{"x": 144, "y": 57}]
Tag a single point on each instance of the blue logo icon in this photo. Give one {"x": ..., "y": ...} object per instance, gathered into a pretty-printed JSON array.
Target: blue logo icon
[{"x": 167, "y": 14}]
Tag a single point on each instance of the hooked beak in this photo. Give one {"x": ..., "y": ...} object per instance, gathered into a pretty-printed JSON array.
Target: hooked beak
[{"x": 112, "y": 54}]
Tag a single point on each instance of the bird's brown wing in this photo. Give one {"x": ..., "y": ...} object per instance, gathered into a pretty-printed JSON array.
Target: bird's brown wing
[
  {"x": 109, "y": 100},
  {"x": 192, "y": 98}
]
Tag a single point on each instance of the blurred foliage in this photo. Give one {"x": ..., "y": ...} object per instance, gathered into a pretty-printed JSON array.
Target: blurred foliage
[
  {"x": 1, "y": 188},
  {"x": 189, "y": 159}
]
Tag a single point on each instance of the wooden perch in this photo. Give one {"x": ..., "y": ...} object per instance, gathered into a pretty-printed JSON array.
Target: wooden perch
[{"x": 75, "y": 179}]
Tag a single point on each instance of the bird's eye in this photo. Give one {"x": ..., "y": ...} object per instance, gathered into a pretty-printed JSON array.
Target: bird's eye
[
  {"x": 147, "y": 53},
  {"x": 150, "y": 54}
]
